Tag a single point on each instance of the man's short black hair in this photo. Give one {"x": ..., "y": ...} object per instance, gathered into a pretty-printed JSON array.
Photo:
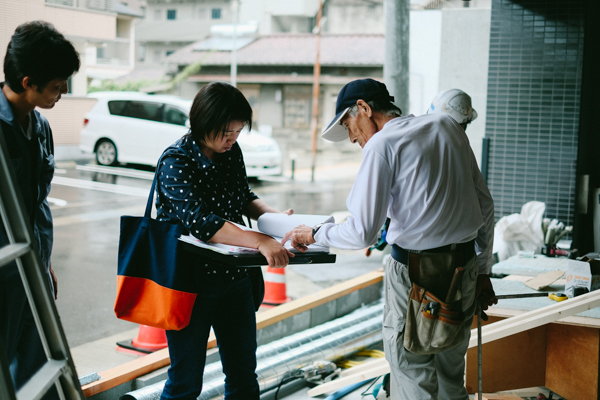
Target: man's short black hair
[
  {"x": 214, "y": 107},
  {"x": 39, "y": 51}
]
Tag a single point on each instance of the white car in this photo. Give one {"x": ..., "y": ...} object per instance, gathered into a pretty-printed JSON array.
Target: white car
[{"x": 132, "y": 127}]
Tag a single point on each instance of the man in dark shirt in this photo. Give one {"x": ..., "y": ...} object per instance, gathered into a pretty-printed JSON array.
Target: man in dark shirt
[{"x": 38, "y": 63}]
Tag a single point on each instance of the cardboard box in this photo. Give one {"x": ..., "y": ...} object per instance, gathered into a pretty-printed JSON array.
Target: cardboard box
[{"x": 585, "y": 273}]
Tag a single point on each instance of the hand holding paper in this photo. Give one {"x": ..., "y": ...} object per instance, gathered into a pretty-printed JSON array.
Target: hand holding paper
[{"x": 301, "y": 237}]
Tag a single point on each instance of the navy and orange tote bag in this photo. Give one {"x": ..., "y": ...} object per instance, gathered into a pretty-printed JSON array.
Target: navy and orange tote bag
[{"x": 155, "y": 279}]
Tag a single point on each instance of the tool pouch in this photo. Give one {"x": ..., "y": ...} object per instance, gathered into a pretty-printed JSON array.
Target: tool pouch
[{"x": 432, "y": 326}]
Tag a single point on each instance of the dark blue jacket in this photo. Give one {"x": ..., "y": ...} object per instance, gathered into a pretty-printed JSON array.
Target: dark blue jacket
[{"x": 33, "y": 165}]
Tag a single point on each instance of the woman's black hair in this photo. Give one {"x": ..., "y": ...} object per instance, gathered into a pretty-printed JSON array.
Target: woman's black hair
[
  {"x": 39, "y": 51},
  {"x": 214, "y": 107}
]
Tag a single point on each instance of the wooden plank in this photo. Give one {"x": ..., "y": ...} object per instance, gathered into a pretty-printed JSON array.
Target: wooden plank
[
  {"x": 146, "y": 364},
  {"x": 535, "y": 318},
  {"x": 128, "y": 371},
  {"x": 572, "y": 320},
  {"x": 572, "y": 361},
  {"x": 363, "y": 367}
]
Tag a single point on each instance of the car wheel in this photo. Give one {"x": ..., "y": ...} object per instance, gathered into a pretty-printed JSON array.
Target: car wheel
[{"x": 106, "y": 153}]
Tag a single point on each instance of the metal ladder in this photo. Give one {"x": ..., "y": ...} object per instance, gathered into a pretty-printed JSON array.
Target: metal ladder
[{"x": 59, "y": 370}]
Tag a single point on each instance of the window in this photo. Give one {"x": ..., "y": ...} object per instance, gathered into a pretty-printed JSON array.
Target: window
[
  {"x": 100, "y": 52},
  {"x": 157, "y": 14},
  {"x": 175, "y": 116},
  {"x": 172, "y": 14},
  {"x": 117, "y": 107},
  {"x": 142, "y": 52},
  {"x": 144, "y": 110},
  {"x": 216, "y": 13},
  {"x": 169, "y": 52}
]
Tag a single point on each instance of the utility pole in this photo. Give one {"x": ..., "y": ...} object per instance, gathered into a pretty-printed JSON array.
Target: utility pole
[
  {"x": 315, "y": 100},
  {"x": 235, "y": 6},
  {"x": 396, "y": 63}
]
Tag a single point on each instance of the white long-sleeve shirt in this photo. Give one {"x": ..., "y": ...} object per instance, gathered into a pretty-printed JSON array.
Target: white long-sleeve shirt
[{"x": 422, "y": 173}]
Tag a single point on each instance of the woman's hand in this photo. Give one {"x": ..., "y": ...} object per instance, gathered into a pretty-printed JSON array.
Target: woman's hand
[
  {"x": 277, "y": 256},
  {"x": 289, "y": 211}
]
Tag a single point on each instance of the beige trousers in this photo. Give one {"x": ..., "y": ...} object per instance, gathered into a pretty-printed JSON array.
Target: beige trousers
[{"x": 423, "y": 377}]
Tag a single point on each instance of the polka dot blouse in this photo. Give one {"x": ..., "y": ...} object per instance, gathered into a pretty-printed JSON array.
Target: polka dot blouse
[{"x": 202, "y": 194}]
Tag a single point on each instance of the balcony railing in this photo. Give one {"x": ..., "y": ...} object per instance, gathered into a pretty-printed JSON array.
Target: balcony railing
[{"x": 97, "y": 5}]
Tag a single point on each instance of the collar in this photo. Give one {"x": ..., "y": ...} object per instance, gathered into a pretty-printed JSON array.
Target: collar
[
  {"x": 197, "y": 153},
  {"x": 7, "y": 115}
]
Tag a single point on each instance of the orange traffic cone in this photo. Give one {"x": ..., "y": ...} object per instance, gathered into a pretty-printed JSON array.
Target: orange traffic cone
[
  {"x": 148, "y": 340},
  {"x": 275, "y": 287}
]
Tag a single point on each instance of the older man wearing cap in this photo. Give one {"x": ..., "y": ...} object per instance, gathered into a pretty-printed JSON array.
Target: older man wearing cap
[{"x": 421, "y": 173}]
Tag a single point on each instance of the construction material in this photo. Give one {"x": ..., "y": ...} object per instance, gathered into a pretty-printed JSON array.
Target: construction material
[
  {"x": 536, "y": 318},
  {"x": 544, "y": 280},
  {"x": 490, "y": 332}
]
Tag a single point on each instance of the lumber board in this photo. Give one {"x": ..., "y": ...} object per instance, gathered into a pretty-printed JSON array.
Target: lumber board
[
  {"x": 572, "y": 320},
  {"x": 535, "y": 318},
  {"x": 363, "y": 367},
  {"x": 572, "y": 361},
  {"x": 146, "y": 364},
  {"x": 491, "y": 332}
]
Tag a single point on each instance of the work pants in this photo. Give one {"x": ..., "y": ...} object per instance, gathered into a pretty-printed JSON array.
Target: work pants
[
  {"x": 227, "y": 306},
  {"x": 423, "y": 377},
  {"x": 18, "y": 333}
]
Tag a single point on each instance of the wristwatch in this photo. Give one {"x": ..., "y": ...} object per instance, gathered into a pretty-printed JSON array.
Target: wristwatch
[{"x": 315, "y": 230}]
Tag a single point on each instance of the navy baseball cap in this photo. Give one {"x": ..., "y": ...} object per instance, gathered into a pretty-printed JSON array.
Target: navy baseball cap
[{"x": 361, "y": 89}]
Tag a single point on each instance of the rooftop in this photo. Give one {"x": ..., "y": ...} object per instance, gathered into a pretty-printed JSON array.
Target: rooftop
[{"x": 293, "y": 49}]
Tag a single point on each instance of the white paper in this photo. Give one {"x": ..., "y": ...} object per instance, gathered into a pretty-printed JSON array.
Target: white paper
[{"x": 276, "y": 224}]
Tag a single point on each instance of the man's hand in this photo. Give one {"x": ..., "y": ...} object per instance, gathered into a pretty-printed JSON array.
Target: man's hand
[
  {"x": 54, "y": 283},
  {"x": 484, "y": 292},
  {"x": 289, "y": 211},
  {"x": 301, "y": 237}
]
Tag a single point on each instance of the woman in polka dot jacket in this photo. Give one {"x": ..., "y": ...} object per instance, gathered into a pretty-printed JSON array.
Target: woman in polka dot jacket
[{"x": 202, "y": 184}]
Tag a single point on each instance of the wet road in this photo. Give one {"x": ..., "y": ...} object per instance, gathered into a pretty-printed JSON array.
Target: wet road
[{"x": 87, "y": 202}]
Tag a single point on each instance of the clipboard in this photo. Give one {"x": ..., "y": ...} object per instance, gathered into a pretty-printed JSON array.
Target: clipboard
[{"x": 257, "y": 260}]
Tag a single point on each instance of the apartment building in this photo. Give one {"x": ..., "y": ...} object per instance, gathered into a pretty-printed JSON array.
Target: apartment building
[
  {"x": 103, "y": 33},
  {"x": 169, "y": 25}
]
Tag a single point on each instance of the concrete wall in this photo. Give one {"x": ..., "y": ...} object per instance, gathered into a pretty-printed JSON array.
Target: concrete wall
[
  {"x": 271, "y": 105},
  {"x": 464, "y": 58},
  {"x": 425, "y": 64},
  {"x": 70, "y": 22},
  {"x": 351, "y": 16}
]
